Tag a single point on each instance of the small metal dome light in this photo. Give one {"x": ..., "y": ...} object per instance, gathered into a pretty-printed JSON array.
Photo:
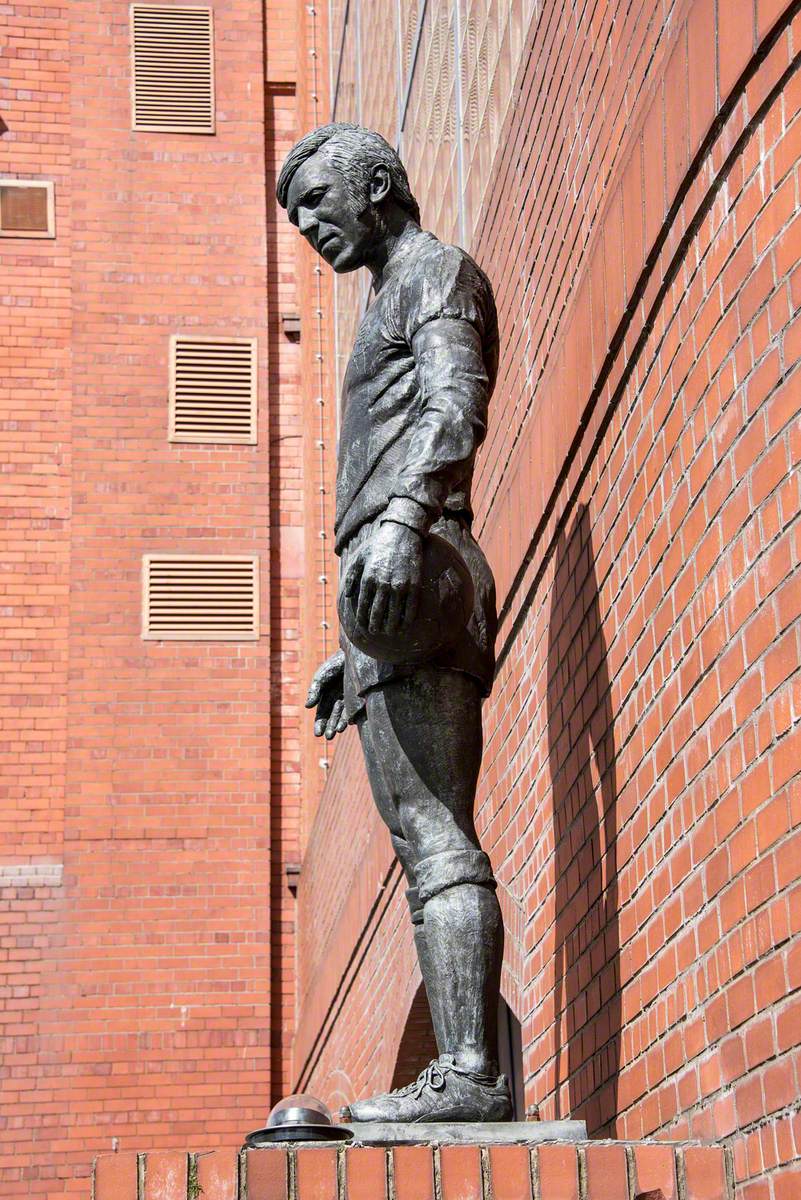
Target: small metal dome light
[{"x": 298, "y": 1118}]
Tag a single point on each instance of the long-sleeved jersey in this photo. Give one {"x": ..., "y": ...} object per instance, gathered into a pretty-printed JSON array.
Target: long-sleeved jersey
[
  {"x": 415, "y": 408},
  {"x": 416, "y": 392}
]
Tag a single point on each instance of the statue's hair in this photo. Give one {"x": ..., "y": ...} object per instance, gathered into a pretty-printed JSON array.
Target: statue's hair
[{"x": 353, "y": 150}]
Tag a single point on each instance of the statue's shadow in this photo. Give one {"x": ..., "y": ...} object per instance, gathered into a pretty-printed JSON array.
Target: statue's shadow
[{"x": 583, "y": 774}]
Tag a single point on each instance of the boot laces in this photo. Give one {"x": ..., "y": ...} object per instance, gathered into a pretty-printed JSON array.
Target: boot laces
[
  {"x": 435, "y": 1076},
  {"x": 432, "y": 1076}
]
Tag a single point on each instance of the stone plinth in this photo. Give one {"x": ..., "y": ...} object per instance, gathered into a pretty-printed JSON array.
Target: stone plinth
[
  {"x": 500, "y": 1133},
  {"x": 548, "y": 1171}
]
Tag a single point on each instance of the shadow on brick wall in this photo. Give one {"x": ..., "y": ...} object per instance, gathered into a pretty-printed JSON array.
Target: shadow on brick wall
[
  {"x": 584, "y": 787},
  {"x": 418, "y": 1045}
]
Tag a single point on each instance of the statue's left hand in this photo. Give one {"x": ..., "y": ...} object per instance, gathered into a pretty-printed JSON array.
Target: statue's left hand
[{"x": 384, "y": 578}]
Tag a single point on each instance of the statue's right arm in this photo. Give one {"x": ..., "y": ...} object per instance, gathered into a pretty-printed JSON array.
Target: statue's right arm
[{"x": 454, "y": 390}]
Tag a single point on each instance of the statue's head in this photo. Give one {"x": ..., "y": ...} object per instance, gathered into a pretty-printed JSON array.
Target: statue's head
[{"x": 341, "y": 186}]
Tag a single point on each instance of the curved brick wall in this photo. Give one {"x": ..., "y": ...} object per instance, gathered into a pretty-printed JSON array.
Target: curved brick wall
[{"x": 638, "y": 495}]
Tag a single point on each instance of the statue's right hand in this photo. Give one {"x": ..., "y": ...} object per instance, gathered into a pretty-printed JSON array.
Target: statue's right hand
[{"x": 326, "y": 694}]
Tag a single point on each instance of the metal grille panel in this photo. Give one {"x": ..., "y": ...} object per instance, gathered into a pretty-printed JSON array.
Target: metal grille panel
[
  {"x": 197, "y": 598},
  {"x": 173, "y": 68},
  {"x": 212, "y": 389}
]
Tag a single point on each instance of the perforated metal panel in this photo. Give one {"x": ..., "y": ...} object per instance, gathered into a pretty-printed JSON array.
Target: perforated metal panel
[
  {"x": 27, "y": 208},
  {"x": 198, "y": 598},
  {"x": 212, "y": 389},
  {"x": 172, "y": 68}
]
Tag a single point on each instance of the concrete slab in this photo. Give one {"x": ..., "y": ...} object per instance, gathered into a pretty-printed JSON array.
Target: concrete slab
[{"x": 501, "y": 1133}]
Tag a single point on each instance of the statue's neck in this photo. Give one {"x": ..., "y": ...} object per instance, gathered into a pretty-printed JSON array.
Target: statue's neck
[{"x": 392, "y": 246}]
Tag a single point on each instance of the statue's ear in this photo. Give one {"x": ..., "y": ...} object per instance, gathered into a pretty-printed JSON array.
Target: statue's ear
[{"x": 380, "y": 184}]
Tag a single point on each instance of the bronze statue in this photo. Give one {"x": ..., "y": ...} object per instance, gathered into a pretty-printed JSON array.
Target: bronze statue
[{"x": 416, "y": 592}]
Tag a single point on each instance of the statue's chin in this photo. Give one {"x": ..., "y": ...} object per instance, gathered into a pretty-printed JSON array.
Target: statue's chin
[
  {"x": 344, "y": 266},
  {"x": 347, "y": 258}
]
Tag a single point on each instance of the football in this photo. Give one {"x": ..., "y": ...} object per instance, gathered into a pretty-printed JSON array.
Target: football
[{"x": 446, "y": 602}]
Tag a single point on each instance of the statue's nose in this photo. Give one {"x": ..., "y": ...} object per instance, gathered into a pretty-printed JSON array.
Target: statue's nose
[{"x": 306, "y": 222}]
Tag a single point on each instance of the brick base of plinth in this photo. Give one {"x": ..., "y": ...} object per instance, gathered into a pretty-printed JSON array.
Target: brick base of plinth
[{"x": 587, "y": 1171}]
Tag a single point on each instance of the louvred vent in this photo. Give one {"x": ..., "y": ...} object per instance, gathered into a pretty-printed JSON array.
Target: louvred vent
[
  {"x": 194, "y": 598},
  {"x": 173, "y": 68},
  {"x": 213, "y": 390}
]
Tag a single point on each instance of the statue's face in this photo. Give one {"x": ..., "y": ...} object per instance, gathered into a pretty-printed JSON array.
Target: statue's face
[{"x": 340, "y": 226}]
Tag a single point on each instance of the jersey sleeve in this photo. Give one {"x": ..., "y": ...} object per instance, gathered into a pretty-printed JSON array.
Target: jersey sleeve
[
  {"x": 448, "y": 285},
  {"x": 445, "y": 310}
]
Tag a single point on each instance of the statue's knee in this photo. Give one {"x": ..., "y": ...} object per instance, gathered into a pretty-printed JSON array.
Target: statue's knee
[{"x": 438, "y": 872}]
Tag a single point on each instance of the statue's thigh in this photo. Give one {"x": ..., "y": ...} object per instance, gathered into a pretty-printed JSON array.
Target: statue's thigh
[
  {"x": 425, "y": 739},
  {"x": 375, "y": 759}
]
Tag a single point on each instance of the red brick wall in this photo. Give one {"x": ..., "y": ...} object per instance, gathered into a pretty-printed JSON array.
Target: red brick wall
[
  {"x": 286, "y": 583},
  {"x": 35, "y": 474},
  {"x": 638, "y": 496},
  {"x": 315, "y": 295},
  {"x": 139, "y": 997},
  {"x": 546, "y": 1172}
]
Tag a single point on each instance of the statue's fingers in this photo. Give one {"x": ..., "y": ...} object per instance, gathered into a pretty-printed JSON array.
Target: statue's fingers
[
  {"x": 353, "y": 574},
  {"x": 324, "y": 709},
  {"x": 402, "y": 615},
  {"x": 365, "y": 601},
  {"x": 333, "y": 721},
  {"x": 322, "y": 677},
  {"x": 343, "y": 723},
  {"x": 412, "y": 603},
  {"x": 395, "y": 610},
  {"x": 379, "y": 608}
]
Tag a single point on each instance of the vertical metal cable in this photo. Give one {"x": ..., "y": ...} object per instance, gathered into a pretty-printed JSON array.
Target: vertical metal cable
[
  {"x": 457, "y": 67},
  {"x": 319, "y": 355}
]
